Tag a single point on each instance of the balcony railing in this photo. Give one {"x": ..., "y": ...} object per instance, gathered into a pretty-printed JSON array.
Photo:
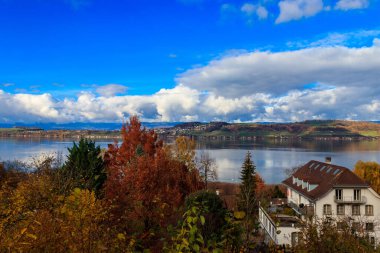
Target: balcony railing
[{"x": 351, "y": 200}]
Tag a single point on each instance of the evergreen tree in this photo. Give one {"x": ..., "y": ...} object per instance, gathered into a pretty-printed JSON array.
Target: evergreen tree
[
  {"x": 247, "y": 196},
  {"x": 84, "y": 167}
]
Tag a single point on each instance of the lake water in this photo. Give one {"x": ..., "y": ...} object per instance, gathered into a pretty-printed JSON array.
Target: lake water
[{"x": 272, "y": 158}]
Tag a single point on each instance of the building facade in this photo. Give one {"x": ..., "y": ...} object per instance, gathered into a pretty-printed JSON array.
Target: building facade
[{"x": 322, "y": 190}]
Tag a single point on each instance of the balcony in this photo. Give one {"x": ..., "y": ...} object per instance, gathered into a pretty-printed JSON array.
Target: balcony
[
  {"x": 351, "y": 200},
  {"x": 307, "y": 210}
]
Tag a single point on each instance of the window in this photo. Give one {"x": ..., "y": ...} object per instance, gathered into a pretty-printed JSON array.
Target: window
[
  {"x": 369, "y": 226},
  {"x": 357, "y": 195},
  {"x": 372, "y": 240},
  {"x": 338, "y": 194},
  {"x": 327, "y": 209},
  {"x": 355, "y": 209},
  {"x": 369, "y": 210},
  {"x": 340, "y": 209}
]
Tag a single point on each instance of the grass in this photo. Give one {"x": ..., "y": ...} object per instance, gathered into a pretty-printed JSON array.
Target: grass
[
  {"x": 370, "y": 133},
  {"x": 9, "y": 129}
]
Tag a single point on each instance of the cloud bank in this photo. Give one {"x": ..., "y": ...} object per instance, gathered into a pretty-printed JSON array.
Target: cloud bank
[{"x": 314, "y": 83}]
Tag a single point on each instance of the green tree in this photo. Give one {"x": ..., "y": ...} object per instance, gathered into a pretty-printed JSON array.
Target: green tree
[
  {"x": 247, "y": 197},
  {"x": 206, "y": 227},
  {"x": 84, "y": 167},
  {"x": 214, "y": 212}
]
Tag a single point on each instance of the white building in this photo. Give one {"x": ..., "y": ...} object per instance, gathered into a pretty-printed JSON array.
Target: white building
[{"x": 323, "y": 190}]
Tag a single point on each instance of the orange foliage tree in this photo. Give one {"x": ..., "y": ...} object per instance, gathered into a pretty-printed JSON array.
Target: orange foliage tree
[
  {"x": 145, "y": 182},
  {"x": 370, "y": 172}
]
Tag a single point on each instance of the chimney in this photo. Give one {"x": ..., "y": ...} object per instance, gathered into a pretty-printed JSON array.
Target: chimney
[{"x": 328, "y": 159}]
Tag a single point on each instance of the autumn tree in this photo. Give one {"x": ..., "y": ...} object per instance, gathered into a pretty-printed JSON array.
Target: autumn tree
[
  {"x": 34, "y": 217},
  {"x": 369, "y": 172},
  {"x": 247, "y": 199},
  {"x": 329, "y": 235},
  {"x": 144, "y": 180},
  {"x": 207, "y": 168},
  {"x": 184, "y": 151}
]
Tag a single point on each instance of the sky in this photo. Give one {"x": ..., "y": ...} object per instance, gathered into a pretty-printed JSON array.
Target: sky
[{"x": 189, "y": 60}]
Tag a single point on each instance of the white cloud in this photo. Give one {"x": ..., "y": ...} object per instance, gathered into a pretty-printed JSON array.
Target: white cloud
[
  {"x": 297, "y": 9},
  {"x": 111, "y": 90},
  {"x": 351, "y": 4},
  {"x": 250, "y": 10},
  {"x": 277, "y": 73},
  {"x": 262, "y": 12},
  {"x": 28, "y": 107},
  {"x": 353, "y": 39},
  {"x": 314, "y": 83}
]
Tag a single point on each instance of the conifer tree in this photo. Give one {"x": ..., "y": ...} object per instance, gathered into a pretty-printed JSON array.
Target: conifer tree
[
  {"x": 84, "y": 167},
  {"x": 247, "y": 197}
]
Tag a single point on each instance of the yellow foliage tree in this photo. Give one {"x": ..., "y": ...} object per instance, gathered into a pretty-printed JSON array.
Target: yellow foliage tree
[
  {"x": 184, "y": 151},
  {"x": 34, "y": 218},
  {"x": 370, "y": 172}
]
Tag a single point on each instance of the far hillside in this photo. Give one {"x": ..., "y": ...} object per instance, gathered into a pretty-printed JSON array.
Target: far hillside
[{"x": 306, "y": 129}]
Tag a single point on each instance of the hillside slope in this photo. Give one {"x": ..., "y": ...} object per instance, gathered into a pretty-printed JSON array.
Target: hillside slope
[{"x": 306, "y": 129}]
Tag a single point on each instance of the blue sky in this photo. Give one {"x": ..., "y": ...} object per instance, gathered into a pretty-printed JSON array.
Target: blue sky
[{"x": 98, "y": 60}]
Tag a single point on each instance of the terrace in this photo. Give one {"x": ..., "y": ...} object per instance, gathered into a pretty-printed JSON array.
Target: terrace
[{"x": 280, "y": 223}]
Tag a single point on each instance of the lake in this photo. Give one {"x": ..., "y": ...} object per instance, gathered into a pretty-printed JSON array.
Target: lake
[{"x": 271, "y": 157}]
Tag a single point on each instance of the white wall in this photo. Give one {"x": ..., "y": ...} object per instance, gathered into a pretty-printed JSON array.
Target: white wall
[
  {"x": 372, "y": 199},
  {"x": 285, "y": 237},
  {"x": 296, "y": 198}
]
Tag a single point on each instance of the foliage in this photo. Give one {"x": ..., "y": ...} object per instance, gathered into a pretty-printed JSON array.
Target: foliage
[
  {"x": 84, "y": 167},
  {"x": 198, "y": 231},
  {"x": 323, "y": 236},
  {"x": 145, "y": 182},
  {"x": 207, "y": 168},
  {"x": 277, "y": 193},
  {"x": 189, "y": 237},
  {"x": 213, "y": 211},
  {"x": 184, "y": 151},
  {"x": 35, "y": 218},
  {"x": 369, "y": 172}
]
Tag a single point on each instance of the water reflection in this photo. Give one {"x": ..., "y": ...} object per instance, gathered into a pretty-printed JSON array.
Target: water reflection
[{"x": 271, "y": 157}]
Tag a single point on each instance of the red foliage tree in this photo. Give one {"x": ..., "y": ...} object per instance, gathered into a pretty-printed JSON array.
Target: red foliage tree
[{"x": 144, "y": 180}]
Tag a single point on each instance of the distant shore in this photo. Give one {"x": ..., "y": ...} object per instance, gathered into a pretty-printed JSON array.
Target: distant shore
[{"x": 328, "y": 130}]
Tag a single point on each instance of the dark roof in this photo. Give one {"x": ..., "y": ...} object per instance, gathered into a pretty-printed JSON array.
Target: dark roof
[{"x": 326, "y": 176}]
